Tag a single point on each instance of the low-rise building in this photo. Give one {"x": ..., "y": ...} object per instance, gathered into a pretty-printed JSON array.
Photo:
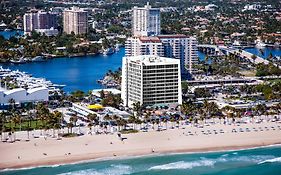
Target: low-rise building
[{"x": 21, "y": 95}]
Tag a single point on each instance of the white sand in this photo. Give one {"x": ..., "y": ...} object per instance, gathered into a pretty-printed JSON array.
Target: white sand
[{"x": 99, "y": 146}]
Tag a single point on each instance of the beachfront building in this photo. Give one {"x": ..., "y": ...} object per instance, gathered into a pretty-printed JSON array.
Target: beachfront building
[
  {"x": 41, "y": 22},
  {"x": 75, "y": 20},
  {"x": 179, "y": 47},
  {"x": 144, "y": 45},
  {"x": 146, "y": 21},
  {"x": 21, "y": 95},
  {"x": 151, "y": 80}
]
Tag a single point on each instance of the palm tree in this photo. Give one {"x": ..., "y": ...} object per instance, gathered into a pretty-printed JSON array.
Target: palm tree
[
  {"x": 260, "y": 109},
  {"x": 172, "y": 119},
  {"x": 72, "y": 122},
  {"x": 108, "y": 119},
  {"x": 132, "y": 119},
  {"x": 2, "y": 123},
  {"x": 17, "y": 120},
  {"x": 91, "y": 118},
  {"x": 119, "y": 123},
  {"x": 12, "y": 103},
  {"x": 228, "y": 110},
  {"x": 69, "y": 126},
  {"x": 137, "y": 108},
  {"x": 56, "y": 121},
  {"x": 139, "y": 122},
  {"x": 42, "y": 113},
  {"x": 147, "y": 117},
  {"x": 166, "y": 123}
]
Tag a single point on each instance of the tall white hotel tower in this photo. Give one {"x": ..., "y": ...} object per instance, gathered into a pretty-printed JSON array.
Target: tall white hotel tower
[
  {"x": 147, "y": 40},
  {"x": 146, "y": 21},
  {"x": 151, "y": 80}
]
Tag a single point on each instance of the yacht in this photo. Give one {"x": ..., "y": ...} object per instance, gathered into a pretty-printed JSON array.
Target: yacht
[
  {"x": 117, "y": 47},
  {"x": 277, "y": 44},
  {"x": 108, "y": 51},
  {"x": 260, "y": 44},
  {"x": 236, "y": 43},
  {"x": 38, "y": 59},
  {"x": 21, "y": 60}
]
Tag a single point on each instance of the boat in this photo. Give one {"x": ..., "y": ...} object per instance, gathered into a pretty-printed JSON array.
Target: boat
[
  {"x": 108, "y": 51},
  {"x": 117, "y": 47},
  {"x": 21, "y": 60},
  {"x": 38, "y": 59},
  {"x": 236, "y": 43},
  {"x": 260, "y": 44},
  {"x": 277, "y": 44}
]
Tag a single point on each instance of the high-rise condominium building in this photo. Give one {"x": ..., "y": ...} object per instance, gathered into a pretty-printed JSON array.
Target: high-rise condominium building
[
  {"x": 173, "y": 46},
  {"x": 146, "y": 21},
  {"x": 43, "y": 22},
  {"x": 151, "y": 80},
  {"x": 75, "y": 20}
]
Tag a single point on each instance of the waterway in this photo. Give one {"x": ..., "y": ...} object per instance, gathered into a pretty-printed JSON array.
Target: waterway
[
  {"x": 78, "y": 73},
  {"x": 82, "y": 73},
  {"x": 265, "y": 51},
  {"x": 9, "y": 34}
]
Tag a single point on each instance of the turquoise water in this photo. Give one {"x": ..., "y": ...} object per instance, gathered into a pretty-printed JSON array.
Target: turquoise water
[{"x": 260, "y": 161}]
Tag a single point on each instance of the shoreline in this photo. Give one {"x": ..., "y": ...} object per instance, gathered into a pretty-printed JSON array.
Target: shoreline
[
  {"x": 88, "y": 148},
  {"x": 90, "y": 159}
]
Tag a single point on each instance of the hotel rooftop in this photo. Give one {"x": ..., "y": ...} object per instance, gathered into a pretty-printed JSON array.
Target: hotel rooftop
[{"x": 152, "y": 60}]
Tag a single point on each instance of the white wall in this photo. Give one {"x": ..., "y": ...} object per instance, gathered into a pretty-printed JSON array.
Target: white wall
[{"x": 20, "y": 95}]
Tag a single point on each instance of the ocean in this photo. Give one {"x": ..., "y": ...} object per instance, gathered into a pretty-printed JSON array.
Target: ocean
[{"x": 258, "y": 161}]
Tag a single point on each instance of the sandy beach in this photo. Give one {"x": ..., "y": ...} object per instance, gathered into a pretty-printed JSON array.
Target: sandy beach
[{"x": 50, "y": 151}]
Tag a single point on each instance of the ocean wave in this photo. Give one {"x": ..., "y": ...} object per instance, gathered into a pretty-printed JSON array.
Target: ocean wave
[
  {"x": 277, "y": 159},
  {"x": 253, "y": 158},
  {"x": 183, "y": 165},
  {"x": 112, "y": 170},
  {"x": 203, "y": 162},
  {"x": 32, "y": 167}
]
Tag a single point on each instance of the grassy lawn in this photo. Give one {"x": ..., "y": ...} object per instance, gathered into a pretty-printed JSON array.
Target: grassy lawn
[
  {"x": 24, "y": 125},
  {"x": 275, "y": 81}
]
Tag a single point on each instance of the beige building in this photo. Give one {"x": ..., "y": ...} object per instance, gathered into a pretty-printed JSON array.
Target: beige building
[{"x": 75, "y": 20}]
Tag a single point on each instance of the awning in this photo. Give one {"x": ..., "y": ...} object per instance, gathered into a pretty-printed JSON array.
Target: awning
[{"x": 95, "y": 107}]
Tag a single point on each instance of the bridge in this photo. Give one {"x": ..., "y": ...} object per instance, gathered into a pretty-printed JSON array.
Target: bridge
[
  {"x": 231, "y": 50},
  {"x": 243, "y": 54}
]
